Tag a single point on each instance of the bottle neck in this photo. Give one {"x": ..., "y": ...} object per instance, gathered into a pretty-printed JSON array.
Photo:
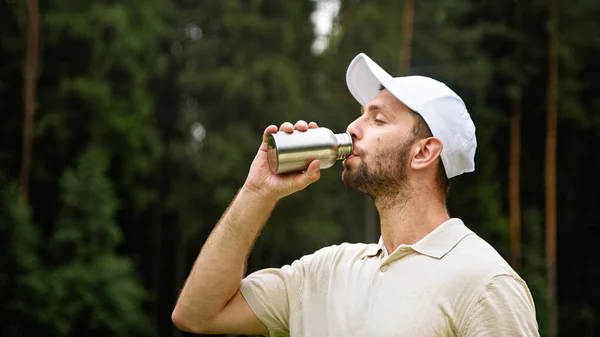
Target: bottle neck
[{"x": 344, "y": 145}]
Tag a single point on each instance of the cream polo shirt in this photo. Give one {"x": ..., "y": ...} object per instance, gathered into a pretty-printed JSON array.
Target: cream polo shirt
[{"x": 450, "y": 283}]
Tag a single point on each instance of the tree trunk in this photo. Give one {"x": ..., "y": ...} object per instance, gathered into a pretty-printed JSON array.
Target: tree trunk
[
  {"x": 407, "y": 34},
  {"x": 514, "y": 174},
  {"x": 551, "y": 167},
  {"x": 29, "y": 94}
]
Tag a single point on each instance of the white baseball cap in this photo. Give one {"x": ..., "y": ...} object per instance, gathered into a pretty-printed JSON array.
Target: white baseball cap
[{"x": 442, "y": 109}]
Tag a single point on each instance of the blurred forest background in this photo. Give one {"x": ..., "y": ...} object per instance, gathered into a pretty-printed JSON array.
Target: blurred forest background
[{"x": 128, "y": 126}]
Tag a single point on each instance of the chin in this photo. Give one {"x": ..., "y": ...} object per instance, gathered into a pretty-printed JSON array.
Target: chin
[
  {"x": 347, "y": 170},
  {"x": 345, "y": 174},
  {"x": 349, "y": 179}
]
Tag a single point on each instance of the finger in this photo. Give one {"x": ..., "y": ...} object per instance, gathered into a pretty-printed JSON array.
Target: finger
[
  {"x": 287, "y": 127},
  {"x": 301, "y": 125},
  {"x": 269, "y": 130},
  {"x": 312, "y": 125},
  {"x": 312, "y": 174}
]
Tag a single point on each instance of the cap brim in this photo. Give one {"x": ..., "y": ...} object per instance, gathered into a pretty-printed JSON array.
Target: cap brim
[{"x": 363, "y": 78}]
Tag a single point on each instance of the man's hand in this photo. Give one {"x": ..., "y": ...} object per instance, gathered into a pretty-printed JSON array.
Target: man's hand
[{"x": 263, "y": 182}]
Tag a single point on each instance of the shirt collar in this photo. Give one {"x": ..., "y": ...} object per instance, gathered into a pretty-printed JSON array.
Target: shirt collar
[
  {"x": 436, "y": 244},
  {"x": 373, "y": 249},
  {"x": 442, "y": 239}
]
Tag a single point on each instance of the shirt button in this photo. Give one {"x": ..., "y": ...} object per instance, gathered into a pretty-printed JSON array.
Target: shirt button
[{"x": 384, "y": 268}]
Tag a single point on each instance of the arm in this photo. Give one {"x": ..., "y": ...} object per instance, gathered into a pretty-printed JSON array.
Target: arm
[
  {"x": 210, "y": 301},
  {"x": 504, "y": 308}
]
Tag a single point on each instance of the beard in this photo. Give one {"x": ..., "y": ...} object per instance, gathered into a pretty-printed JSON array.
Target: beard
[{"x": 384, "y": 178}]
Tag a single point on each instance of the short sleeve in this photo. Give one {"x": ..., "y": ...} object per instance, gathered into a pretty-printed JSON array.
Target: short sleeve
[
  {"x": 504, "y": 308},
  {"x": 272, "y": 294}
]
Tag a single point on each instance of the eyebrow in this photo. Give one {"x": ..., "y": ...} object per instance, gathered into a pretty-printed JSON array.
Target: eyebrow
[{"x": 373, "y": 107}]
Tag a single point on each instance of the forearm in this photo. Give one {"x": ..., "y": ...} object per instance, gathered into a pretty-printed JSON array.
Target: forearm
[{"x": 221, "y": 264}]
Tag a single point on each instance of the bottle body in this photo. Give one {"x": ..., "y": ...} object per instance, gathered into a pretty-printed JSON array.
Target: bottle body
[{"x": 293, "y": 152}]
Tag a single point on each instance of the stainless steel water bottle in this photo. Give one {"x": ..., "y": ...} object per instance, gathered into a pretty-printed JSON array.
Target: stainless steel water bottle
[{"x": 293, "y": 152}]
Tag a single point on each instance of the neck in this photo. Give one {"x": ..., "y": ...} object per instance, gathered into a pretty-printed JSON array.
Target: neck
[{"x": 409, "y": 216}]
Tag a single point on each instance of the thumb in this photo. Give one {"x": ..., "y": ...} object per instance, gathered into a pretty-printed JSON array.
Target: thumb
[{"x": 312, "y": 174}]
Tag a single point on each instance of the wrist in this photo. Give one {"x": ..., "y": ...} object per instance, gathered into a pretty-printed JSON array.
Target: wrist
[{"x": 258, "y": 196}]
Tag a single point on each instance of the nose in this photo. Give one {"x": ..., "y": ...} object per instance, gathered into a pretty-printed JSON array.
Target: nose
[{"x": 354, "y": 129}]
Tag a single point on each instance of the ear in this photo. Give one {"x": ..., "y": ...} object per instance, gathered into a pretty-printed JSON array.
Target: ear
[{"x": 425, "y": 152}]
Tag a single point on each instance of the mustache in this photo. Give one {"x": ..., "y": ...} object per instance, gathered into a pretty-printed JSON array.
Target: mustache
[{"x": 358, "y": 152}]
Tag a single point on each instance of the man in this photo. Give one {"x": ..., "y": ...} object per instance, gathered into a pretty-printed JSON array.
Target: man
[{"x": 429, "y": 275}]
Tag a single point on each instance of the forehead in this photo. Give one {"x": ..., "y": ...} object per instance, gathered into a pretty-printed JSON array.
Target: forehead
[{"x": 388, "y": 102}]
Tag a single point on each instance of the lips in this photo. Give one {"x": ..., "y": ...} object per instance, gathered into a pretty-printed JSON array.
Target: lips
[{"x": 356, "y": 153}]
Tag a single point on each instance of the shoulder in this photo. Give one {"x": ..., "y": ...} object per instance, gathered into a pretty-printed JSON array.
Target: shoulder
[
  {"x": 489, "y": 290},
  {"x": 328, "y": 257},
  {"x": 341, "y": 251},
  {"x": 479, "y": 261},
  {"x": 473, "y": 266}
]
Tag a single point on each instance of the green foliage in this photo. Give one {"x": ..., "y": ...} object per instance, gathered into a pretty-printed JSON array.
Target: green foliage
[
  {"x": 101, "y": 297},
  {"x": 534, "y": 266},
  {"x": 89, "y": 289},
  {"x": 104, "y": 56},
  {"x": 98, "y": 292},
  {"x": 24, "y": 309},
  {"x": 86, "y": 227},
  {"x": 94, "y": 109}
]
